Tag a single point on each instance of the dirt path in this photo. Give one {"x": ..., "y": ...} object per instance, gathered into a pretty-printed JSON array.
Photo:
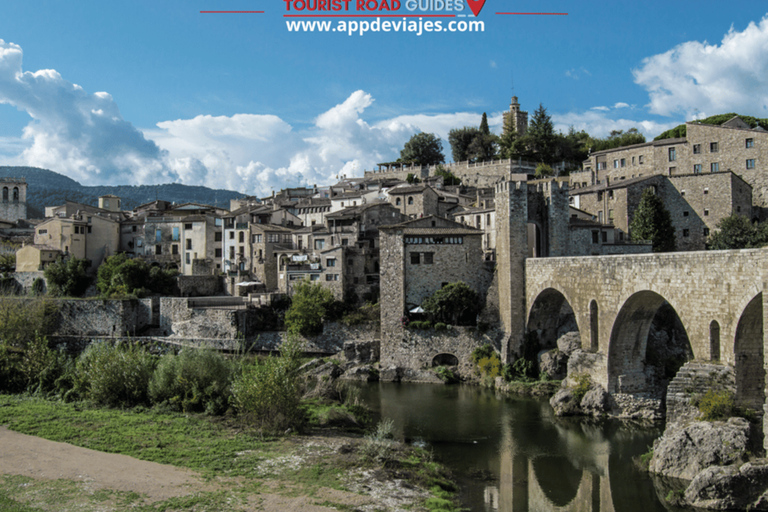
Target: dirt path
[{"x": 41, "y": 459}]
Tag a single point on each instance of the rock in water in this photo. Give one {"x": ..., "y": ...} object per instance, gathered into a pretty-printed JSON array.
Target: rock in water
[{"x": 731, "y": 488}]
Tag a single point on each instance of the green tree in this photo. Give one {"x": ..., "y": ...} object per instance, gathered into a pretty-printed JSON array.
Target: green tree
[
  {"x": 310, "y": 303},
  {"x": 449, "y": 179},
  {"x": 737, "y": 232},
  {"x": 460, "y": 139},
  {"x": 541, "y": 136},
  {"x": 121, "y": 276},
  {"x": 423, "y": 149},
  {"x": 507, "y": 140},
  {"x": 455, "y": 303},
  {"x": 544, "y": 171},
  {"x": 68, "y": 277},
  {"x": 653, "y": 222}
]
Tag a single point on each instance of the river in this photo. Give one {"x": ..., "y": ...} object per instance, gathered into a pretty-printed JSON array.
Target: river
[{"x": 513, "y": 455}]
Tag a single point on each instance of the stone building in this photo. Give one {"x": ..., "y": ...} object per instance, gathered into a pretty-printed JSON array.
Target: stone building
[
  {"x": 83, "y": 236},
  {"x": 414, "y": 201},
  {"x": 696, "y": 202},
  {"x": 516, "y": 118},
  {"x": 733, "y": 146},
  {"x": 14, "y": 199},
  {"x": 33, "y": 258}
]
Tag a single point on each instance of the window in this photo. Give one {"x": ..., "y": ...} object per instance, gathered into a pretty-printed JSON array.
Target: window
[
  {"x": 706, "y": 191},
  {"x": 241, "y": 250},
  {"x": 42, "y": 231},
  {"x": 187, "y": 258},
  {"x": 410, "y": 200},
  {"x": 706, "y": 213},
  {"x": 685, "y": 213},
  {"x": 175, "y": 234},
  {"x": 241, "y": 237},
  {"x": 217, "y": 253},
  {"x": 331, "y": 277},
  {"x": 134, "y": 229},
  {"x": 749, "y": 143},
  {"x": 231, "y": 253},
  {"x": 682, "y": 193},
  {"x": 697, "y": 169},
  {"x": 610, "y": 215},
  {"x": 713, "y": 147},
  {"x": 344, "y": 241},
  {"x": 189, "y": 244},
  {"x": 595, "y": 237},
  {"x": 158, "y": 249},
  {"x": 605, "y": 236},
  {"x": 697, "y": 149},
  {"x": 5, "y": 194},
  {"x": 415, "y": 258},
  {"x": 641, "y": 159},
  {"x": 706, "y": 231},
  {"x": 257, "y": 239},
  {"x": 672, "y": 154},
  {"x": 428, "y": 258},
  {"x": 623, "y": 162},
  {"x": 686, "y": 232},
  {"x": 330, "y": 262},
  {"x": 175, "y": 249},
  {"x": 600, "y": 166},
  {"x": 610, "y": 194},
  {"x": 615, "y": 164},
  {"x": 231, "y": 235},
  {"x": 397, "y": 202},
  {"x": 750, "y": 163},
  {"x": 217, "y": 236},
  {"x": 158, "y": 235},
  {"x": 319, "y": 244},
  {"x": 188, "y": 225},
  {"x": 714, "y": 167},
  {"x": 599, "y": 196},
  {"x": 314, "y": 277},
  {"x": 633, "y": 160}
]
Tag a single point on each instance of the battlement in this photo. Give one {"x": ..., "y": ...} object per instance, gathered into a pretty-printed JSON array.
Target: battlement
[{"x": 13, "y": 180}]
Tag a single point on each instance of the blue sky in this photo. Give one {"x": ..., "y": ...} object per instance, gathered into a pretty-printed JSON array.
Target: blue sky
[{"x": 154, "y": 91}]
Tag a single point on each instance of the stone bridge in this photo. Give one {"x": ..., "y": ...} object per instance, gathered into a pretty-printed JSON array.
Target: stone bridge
[{"x": 717, "y": 295}]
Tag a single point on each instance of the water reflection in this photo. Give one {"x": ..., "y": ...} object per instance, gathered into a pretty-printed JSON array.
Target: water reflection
[{"x": 513, "y": 455}]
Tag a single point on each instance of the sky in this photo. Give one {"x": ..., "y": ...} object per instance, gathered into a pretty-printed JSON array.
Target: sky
[{"x": 156, "y": 91}]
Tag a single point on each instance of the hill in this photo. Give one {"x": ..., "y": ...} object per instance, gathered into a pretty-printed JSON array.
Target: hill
[
  {"x": 679, "y": 130},
  {"x": 48, "y": 188}
]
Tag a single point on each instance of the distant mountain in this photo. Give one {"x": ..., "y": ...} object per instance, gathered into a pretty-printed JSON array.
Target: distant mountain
[{"x": 48, "y": 188}]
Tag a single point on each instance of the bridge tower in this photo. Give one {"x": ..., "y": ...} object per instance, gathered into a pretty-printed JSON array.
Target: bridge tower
[
  {"x": 556, "y": 196},
  {"x": 511, "y": 251}
]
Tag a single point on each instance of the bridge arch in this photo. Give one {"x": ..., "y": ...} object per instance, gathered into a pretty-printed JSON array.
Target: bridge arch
[
  {"x": 749, "y": 356},
  {"x": 634, "y": 366},
  {"x": 551, "y": 314},
  {"x": 445, "y": 359}
]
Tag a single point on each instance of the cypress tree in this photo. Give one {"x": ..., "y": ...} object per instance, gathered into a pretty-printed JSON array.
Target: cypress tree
[{"x": 653, "y": 222}]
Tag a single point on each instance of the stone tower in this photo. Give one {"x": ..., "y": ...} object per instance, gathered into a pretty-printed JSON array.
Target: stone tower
[
  {"x": 516, "y": 118},
  {"x": 14, "y": 199},
  {"x": 109, "y": 202},
  {"x": 556, "y": 195},
  {"x": 511, "y": 250}
]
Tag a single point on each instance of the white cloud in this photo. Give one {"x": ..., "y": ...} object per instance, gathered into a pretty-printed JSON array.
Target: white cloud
[
  {"x": 599, "y": 124},
  {"x": 699, "y": 78},
  {"x": 601, "y": 108},
  {"x": 621, "y": 104}
]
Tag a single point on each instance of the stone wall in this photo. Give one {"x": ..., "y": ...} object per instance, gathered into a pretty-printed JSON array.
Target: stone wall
[
  {"x": 102, "y": 317},
  {"x": 25, "y": 280},
  {"x": 331, "y": 341},
  {"x": 177, "y": 319},
  {"x": 199, "y": 286},
  {"x": 693, "y": 380}
]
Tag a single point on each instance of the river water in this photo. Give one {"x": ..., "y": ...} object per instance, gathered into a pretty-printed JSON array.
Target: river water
[{"x": 512, "y": 454}]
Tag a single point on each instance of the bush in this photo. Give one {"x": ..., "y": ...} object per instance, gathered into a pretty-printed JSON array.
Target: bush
[
  {"x": 21, "y": 320},
  {"x": 583, "y": 383},
  {"x": 367, "y": 313},
  {"x": 454, "y": 303},
  {"x": 309, "y": 306},
  {"x": 420, "y": 324},
  {"x": 490, "y": 367},
  {"x": 193, "y": 381},
  {"x": 267, "y": 392},
  {"x": 115, "y": 375},
  {"x": 522, "y": 370},
  {"x": 440, "y": 326},
  {"x": 38, "y": 287},
  {"x": 717, "y": 405},
  {"x": 68, "y": 278},
  {"x": 380, "y": 445},
  {"x": 447, "y": 375},
  {"x": 121, "y": 276},
  {"x": 482, "y": 352}
]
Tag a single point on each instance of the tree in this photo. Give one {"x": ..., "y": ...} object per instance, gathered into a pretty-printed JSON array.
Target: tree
[
  {"x": 460, "y": 140},
  {"x": 653, "y": 222},
  {"x": 737, "y": 232},
  {"x": 423, "y": 149},
  {"x": 507, "y": 140},
  {"x": 455, "y": 303},
  {"x": 121, "y": 276},
  {"x": 541, "y": 136},
  {"x": 68, "y": 277},
  {"x": 308, "y": 309},
  {"x": 543, "y": 171},
  {"x": 449, "y": 179}
]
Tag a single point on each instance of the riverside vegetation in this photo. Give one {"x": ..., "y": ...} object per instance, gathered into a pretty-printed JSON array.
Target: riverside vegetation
[{"x": 221, "y": 416}]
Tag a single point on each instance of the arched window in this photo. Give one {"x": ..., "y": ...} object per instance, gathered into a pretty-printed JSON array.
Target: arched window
[
  {"x": 410, "y": 200},
  {"x": 5, "y": 194},
  {"x": 714, "y": 341},
  {"x": 15, "y": 194},
  {"x": 242, "y": 237},
  {"x": 397, "y": 202}
]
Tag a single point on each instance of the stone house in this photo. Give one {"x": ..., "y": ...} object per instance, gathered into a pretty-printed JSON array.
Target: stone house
[
  {"x": 90, "y": 237},
  {"x": 696, "y": 202},
  {"x": 312, "y": 211},
  {"x": 733, "y": 146},
  {"x": 414, "y": 201},
  {"x": 33, "y": 258}
]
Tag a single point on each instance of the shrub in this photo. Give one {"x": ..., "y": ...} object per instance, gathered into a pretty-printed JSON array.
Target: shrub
[
  {"x": 115, "y": 375},
  {"x": 455, "y": 303},
  {"x": 21, "y": 320},
  {"x": 367, "y": 313},
  {"x": 717, "y": 405},
  {"x": 490, "y": 367},
  {"x": 68, "y": 277},
  {"x": 38, "y": 287},
  {"x": 482, "y": 352},
  {"x": 309, "y": 305},
  {"x": 521, "y": 369},
  {"x": 267, "y": 392},
  {"x": 447, "y": 375},
  {"x": 380, "y": 445},
  {"x": 440, "y": 326},
  {"x": 583, "y": 383},
  {"x": 193, "y": 380}
]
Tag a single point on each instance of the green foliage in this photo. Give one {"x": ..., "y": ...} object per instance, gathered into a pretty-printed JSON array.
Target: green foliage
[
  {"x": 412, "y": 178},
  {"x": 616, "y": 139},
  {"x": 455, "y": 303},
  {"x": 449, "y": 179},
  {"x": 543, "y": 171},
  {"x": 490, "y": 367},
  {"x": 717, "y": 405},
  {"x": 583, "y": 383},
  {"x": 423, "y": 149},
  {"x": 364, "y": 314},
  {"x": 267, "y": 393},
  {"x": 460, "y": 139},
  {"x": 115, "y": 375},
  {"x": 21, "y": 320},
  {"x": 540, "y": 138},
  {"x": 193, "y": 380},
  {"x": 420, "y": 324},
  {"x": 446, "y": 374},
  {"x": 653, "y": 222},
  {"x": 309, "y": 306},
  {"x": 68, "y": 277},
  {"x": 481, "y": 352},
  {"x": 380, "y": 445},
  {"x": 737, "y": 232},
  {"x": 38, "y": 287},
  {"x": 521, "y": 370},
  {"x": 121, "y": 276},
  {"x": 8, "y": 262}
]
